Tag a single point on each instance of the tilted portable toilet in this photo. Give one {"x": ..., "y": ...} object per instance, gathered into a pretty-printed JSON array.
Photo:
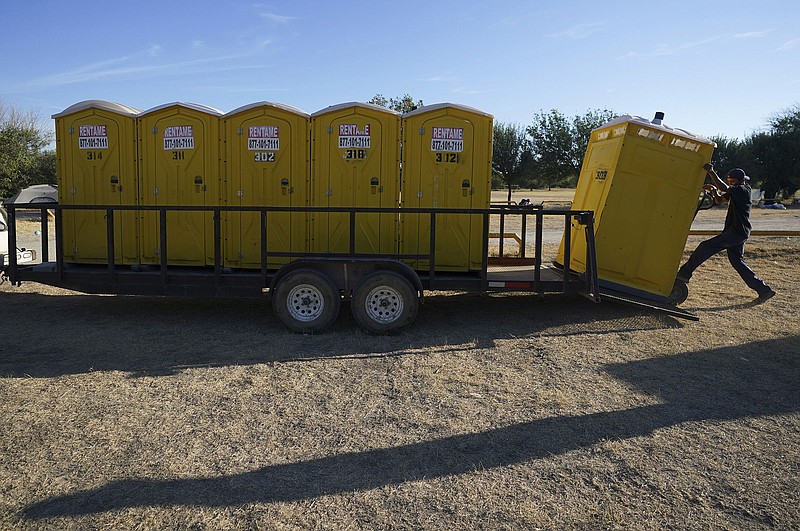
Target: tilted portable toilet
[
  {"x": 642, "y": 179},
  {"x": 96, "y": 165},
  {"x": 266, "y": 159},
  {"x": 447, "y": 163},
  {"x": 179, "y": 166},
  {"x": 355, "y": 163}
]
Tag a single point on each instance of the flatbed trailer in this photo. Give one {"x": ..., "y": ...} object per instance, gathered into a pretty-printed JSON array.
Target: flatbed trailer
[{"x": 307, "y": 291}]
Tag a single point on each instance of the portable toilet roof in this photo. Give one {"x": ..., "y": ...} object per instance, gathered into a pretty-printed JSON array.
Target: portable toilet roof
[
  {"x": 371, "y": 106},
  {"x": 98, "y": 104},
  {"x": 446, "y": 105},
  {"x": 287, "y": 108},
  {"x": 194, "y": 106},
  {"x": 657, "y": 124}
]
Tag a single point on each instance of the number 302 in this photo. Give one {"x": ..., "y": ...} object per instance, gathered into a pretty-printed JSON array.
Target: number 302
[{"x": 265, "y": 157}]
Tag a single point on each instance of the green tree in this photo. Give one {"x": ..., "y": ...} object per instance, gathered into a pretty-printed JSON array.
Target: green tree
[
  {"x": 401, "y": 104},
  {"x": 23, "y": 158},
  {"x": 552, "y": 148},
  {"x": 730, "y": 153},
  {"x": 511, "y": 155},
  {"x": 776, "y": 154},
  {"x": 559, "y": 144}
]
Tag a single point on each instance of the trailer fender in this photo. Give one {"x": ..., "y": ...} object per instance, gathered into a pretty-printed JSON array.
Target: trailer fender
[{"x": 345, "y": 273}]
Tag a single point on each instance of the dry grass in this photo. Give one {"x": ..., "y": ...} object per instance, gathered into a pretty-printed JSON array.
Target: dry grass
[{"x": 492, "y": 412}]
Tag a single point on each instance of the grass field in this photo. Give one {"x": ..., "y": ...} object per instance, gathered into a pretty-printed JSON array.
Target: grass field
[{"x": 491, "y": 412}]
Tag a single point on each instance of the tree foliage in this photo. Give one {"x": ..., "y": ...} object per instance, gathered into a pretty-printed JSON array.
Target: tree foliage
[
  {"x": 551, "y": 145},
  {"x": 512, "y": 160},
  {"x": 776, "y": 154},
  {"x": 730, "y": 153},
  {"x": 558, "y": 144},
  {"x": 401, "y": 104},
  {"x": 23, "y": 158},
  {"x": 771, "y": 158}
]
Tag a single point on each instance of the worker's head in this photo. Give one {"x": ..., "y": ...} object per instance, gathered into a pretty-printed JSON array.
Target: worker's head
[{"x": 737, "y": 176}]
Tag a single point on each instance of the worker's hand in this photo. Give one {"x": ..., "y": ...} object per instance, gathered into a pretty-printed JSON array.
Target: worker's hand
[
  {"x": 708, "y": 166},
  {"x": 709, "y": 188}
]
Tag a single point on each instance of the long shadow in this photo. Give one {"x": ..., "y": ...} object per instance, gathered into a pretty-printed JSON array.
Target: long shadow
[
  {"x": 724, "y": 384},
  {"x": 49, "y": 336}
]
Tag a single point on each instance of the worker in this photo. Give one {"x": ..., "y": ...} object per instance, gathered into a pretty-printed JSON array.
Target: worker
[{"x": 733, "y": 235}]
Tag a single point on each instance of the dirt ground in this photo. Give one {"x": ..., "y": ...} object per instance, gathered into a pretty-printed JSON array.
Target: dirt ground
[{"x": 491, "y": 412}]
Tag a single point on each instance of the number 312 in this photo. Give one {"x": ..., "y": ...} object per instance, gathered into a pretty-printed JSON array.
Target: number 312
[{"x": 447, "y": 157}]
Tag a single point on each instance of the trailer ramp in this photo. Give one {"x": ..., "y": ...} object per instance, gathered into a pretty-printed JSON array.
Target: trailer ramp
[{"x": 627, "y": 298}]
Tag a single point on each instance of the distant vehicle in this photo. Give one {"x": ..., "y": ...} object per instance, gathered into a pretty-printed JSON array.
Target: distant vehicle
[
  {"x": 38, "y": 193},
  {"x": 24, "y": 256}
]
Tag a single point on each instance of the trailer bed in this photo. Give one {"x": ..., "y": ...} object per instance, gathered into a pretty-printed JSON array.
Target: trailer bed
[{"x": 205, "y": 282}]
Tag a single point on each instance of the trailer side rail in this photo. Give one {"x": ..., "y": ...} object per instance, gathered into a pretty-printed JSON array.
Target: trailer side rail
[{"x": 432, "y": 278}]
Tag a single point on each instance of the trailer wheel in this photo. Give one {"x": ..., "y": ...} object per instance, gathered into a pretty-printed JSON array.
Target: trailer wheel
[
  {"x": 384, "y": 302},
  {"x": 305, "y": 301},
  {"x": 680, "y": 292}
]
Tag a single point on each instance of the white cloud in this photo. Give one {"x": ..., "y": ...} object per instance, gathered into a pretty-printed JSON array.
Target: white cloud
[
  {"x": 788, "y": 45},
  {"x": 139, "y": 64},
  {"x": 580, "y": 31},
  {"x": 443, "y": 78},
  {"x": 274, "y": 17},
  {"x": 752, "y": 34},
  {"x": 666, "y": 49}
]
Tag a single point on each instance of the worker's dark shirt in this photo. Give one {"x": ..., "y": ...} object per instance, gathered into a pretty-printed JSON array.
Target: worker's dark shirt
[{"x": 739, "y": 203}]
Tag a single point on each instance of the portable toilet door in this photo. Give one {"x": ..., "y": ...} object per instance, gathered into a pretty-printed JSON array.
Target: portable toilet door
[
  {"x": 266, "y": 164},
  {"x": 179, "y": 166},
  {"x": 355, "y": 163},
  {"x": 96, "y": 165},
  {"x": 447, "y": 164},
  {"x": 642, "y": 179}
]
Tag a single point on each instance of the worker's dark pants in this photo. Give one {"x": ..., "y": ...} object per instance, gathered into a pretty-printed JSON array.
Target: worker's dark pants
[{"x": 734, "y": 244}]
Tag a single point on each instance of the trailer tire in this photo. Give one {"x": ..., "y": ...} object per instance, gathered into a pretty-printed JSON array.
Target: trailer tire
[
  {"x": 306, "y": 302},
  {"x": 680, "y": 292},
  {"x": 384, "y": 302}
]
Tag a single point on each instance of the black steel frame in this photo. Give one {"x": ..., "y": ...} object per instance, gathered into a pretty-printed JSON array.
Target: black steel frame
[{"x": 180, "y": 280}]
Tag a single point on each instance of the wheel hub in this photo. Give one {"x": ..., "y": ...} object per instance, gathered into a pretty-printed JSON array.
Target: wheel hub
[
  {"x": 305, "y": 302},
  {"x": 384, "y": 304}
]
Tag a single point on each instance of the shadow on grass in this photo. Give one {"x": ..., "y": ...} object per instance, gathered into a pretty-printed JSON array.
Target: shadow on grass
[
  {"x": 50, "y": 336},
  {"x": 724, "y": 384}
]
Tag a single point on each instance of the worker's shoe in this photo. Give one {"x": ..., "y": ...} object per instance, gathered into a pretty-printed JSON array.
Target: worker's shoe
[
  {"x": 683, "y": 278},
  {"x": 766, "y": 295}
]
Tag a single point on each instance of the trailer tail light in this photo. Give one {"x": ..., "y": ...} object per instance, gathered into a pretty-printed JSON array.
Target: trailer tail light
[{"x": 511, "y": 285}]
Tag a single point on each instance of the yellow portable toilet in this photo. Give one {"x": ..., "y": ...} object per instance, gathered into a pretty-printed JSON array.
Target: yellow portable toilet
[
  {"x": 266, "y": 164},
  {"x": 355, "y": 163},
  {"x": 96, "y": 165},
  {"x": 179, "y": 166},
  {"x": 642, "y": 179},
  {"x": 447, "y": 163}
]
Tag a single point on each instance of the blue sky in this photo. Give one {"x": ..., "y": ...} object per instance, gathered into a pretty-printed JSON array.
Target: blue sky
[{"x": 714, "y": 67}]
